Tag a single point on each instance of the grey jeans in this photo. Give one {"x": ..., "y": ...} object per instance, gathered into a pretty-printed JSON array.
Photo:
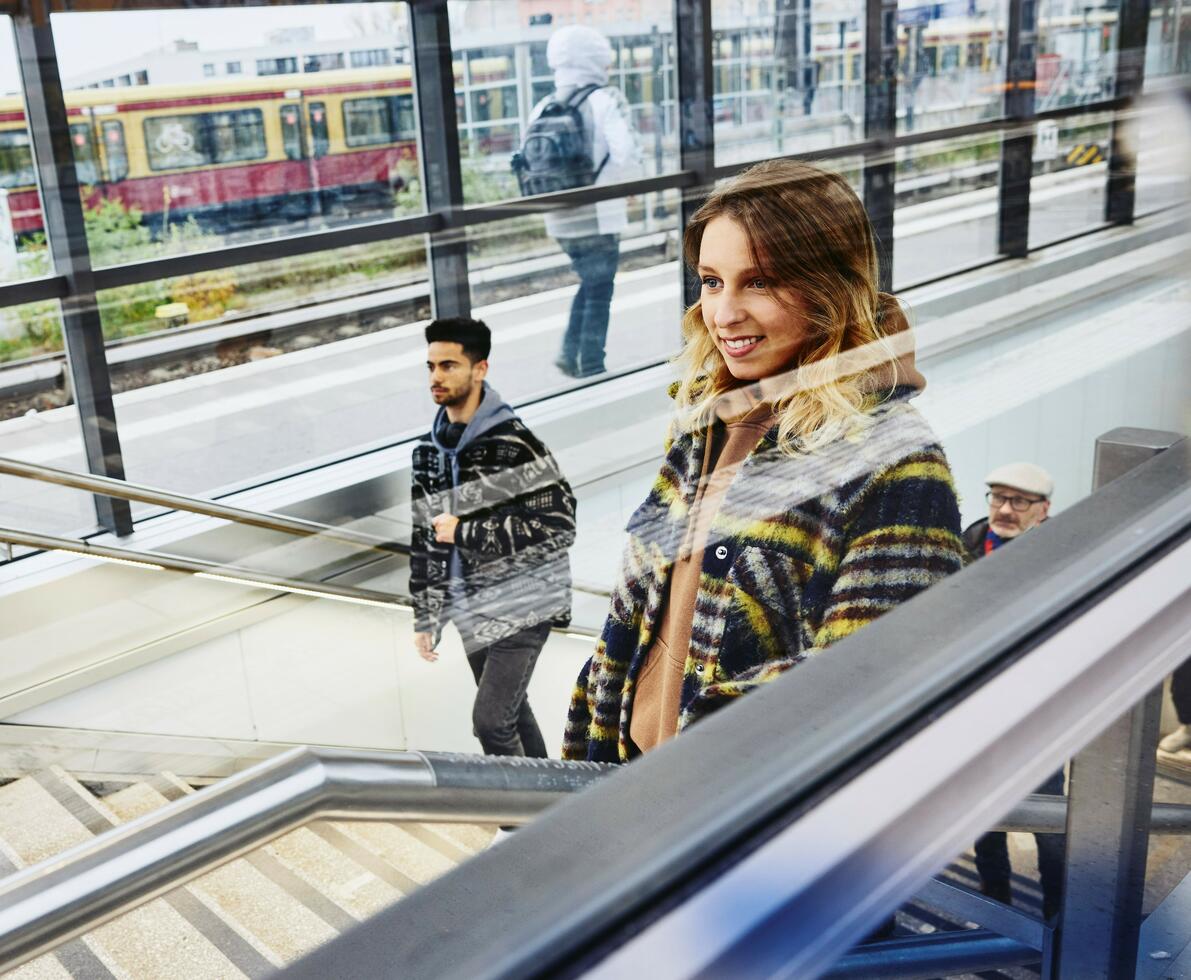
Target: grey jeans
[{"x": 501, "y": 717}]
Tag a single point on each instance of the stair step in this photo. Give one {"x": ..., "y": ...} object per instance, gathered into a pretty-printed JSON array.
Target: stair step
[
  {"x": 403, "y": 849},
  {"x": 40, "y": 817},
  {"x": 471, "y": 837},
  {"x": 329, "y": 872},
  {"x": 253, "y": 894}
]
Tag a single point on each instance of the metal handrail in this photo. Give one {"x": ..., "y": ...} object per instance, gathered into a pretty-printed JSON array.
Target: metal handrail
[
  {"x": 122, "y": 489},
  {"x": 233, "y": 574},
  {"x": 66, "y": 895}
]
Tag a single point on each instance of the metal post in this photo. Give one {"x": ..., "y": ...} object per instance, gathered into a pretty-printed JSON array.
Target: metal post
[
  {"x": 1017, "y": 149},
  {"x": 1132, "y": 33},
  {"x": 1110, "y": 792},
  {"x": 696, "y": 120},
  {"x": 880, "y": 126},
  {"x": 62, "y": 209},
  {"x": 442, "y": 174}
]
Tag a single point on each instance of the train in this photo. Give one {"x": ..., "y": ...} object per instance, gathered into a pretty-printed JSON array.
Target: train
[{"x": 230, "y": 155}]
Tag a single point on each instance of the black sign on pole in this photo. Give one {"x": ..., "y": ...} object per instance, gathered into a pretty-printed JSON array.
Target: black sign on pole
[{"x": 62, "y": 209}]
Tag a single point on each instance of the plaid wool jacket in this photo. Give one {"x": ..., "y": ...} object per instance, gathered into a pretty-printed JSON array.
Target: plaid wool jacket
[{"x": 804, "y": 551}]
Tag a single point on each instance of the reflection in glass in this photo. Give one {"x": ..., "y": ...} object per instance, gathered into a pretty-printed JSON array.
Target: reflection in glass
[
  {"x": 186, "y": 149},
  {"x": 946, "y": 207},
  {"x": 951, "y": 66},
  {"x": 1077, "y": 51},
  {"x": 783, "y": 85},
  {"x": 1067, "y": 192}
]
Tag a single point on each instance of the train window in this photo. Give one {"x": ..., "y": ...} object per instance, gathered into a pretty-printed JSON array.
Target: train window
[
  {"x": 291, "y": 131},
  {"x": 381, "y": 119},
  {"x": 16, "y": 159},
  {"x": 323, "y": 62},
  {"x": 320, "y": 140},
  {"x": 237, "y": 135},
  {"x": 366, "y": 121},
  {"x": 86, "y": 160},
  {"x": 175, "y": 141},
  {"x": 276, "y": 66},
  {"x": 115, "y": 149}
]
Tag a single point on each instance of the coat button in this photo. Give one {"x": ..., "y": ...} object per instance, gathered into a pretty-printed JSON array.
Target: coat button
[{"x": 721, "y": 552}]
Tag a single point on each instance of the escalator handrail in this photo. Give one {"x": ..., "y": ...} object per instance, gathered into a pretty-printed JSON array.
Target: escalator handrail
[
  {"x": 613, "y": 865},
  {"x": 66, "y": 895}
]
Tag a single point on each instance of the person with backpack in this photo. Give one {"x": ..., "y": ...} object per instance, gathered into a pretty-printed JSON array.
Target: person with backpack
[{"x": 582, "y": 134}]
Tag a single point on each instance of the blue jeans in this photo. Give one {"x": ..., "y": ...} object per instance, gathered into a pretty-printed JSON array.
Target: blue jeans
[
  {"x": 594, "y": 259},
  {"x": 992, "y": 859}
]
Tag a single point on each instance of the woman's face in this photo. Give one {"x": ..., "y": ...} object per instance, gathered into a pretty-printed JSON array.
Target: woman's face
[{"x": 754, "y": 328}]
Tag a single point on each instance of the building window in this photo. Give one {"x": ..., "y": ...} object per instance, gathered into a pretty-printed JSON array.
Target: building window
[
  {"x": 233, "y": 68},
  {"x": 208, "y": 71},
  {"x": 277, "y": 66},
  {"x": 372, "y": 58},
  {"x": 323, "y": 62}
]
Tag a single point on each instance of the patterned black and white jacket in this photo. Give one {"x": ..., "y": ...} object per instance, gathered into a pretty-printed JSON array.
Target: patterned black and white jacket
[{"x": 508, "y": 568}]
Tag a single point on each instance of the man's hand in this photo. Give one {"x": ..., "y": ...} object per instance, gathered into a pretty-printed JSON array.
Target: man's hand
[
  {"x": 444, "y": 528},
  {"x": 424, "y": 643}
]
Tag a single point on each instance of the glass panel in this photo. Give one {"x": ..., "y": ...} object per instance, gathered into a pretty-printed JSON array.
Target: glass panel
[
  {"x": 782, "y": 85},
  {"x": 1067, "y": 190},
  {"x": 1163, "y": 179},
  {"x": 192, "y": 144},
  {"x": 951, "y": 68},
  {"x": 22, "y": 251},
  {"x": 946, "y": 211},
  {"x": 497, "y": 99},
  {"x": 38, "y": 421},
  {"x": 272, "y": 412},
  {"x": 627, "y": 314},
  {"x": 1077, "y": 51}
]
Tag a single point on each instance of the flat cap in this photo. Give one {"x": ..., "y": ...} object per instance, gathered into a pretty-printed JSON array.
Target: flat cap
[{"x": 1022, "y": 476}]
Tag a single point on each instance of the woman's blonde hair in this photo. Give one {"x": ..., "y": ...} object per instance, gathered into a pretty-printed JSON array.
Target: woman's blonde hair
[{"x": 809, "y": 235}]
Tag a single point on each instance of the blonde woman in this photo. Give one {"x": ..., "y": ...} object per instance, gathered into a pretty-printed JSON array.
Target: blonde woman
[{"x": 801, "y": 495}]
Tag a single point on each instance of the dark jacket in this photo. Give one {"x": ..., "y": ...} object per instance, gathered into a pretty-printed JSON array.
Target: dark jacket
[
  {"x": 974, "y": 536},
  {"x": 804, "y": 551},
  {"x": 508, "y": 568}
]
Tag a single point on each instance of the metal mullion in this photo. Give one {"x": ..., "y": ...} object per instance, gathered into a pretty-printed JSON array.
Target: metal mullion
[
  {"x": 1132, "y": 34},
  {"x": 273, "y": 249},
  {"x": 1017, "y": 151},
  {"x": 880, "y": 127},
  {"x": 696, "y": 119},
  {"x": 519, "y": 207},
  {"x": 33, "y": 291},
  {"x": 62, "y": 211},
  {"x": 442, "y": 174}
]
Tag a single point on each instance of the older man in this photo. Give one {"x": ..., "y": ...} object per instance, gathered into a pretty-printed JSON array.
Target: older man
[{"x": 1018, "y": 499}]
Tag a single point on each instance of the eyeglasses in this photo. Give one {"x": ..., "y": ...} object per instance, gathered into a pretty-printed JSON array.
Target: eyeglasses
[{"x": 1017, "y": 503}]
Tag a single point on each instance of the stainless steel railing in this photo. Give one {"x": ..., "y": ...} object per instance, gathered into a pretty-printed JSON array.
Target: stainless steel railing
[
  {"x": 175, "y": 501},
  {"x": 48, "y": 903}
]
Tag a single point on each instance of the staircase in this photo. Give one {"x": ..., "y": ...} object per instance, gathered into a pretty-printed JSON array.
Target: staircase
[{"x": 244, "y": 919}]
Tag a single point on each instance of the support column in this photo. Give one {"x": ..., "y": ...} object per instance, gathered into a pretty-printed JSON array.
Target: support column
[
  {"x": 1017, "y": 148},
  {"x": 1132, "y": 34},
  {"x": 442, "y": 174},
  {"x": 696, "y": 119},
  {"x": 1110, "y": 793},
  {"x": 880, "y": 126},
  {"x": 62, "y": 211}
]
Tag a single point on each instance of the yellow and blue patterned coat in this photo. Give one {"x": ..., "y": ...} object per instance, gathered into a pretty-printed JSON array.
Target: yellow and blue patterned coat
[{"x": 804, "y": 551}]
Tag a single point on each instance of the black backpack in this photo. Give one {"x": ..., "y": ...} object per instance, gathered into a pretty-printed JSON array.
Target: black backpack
[{"x": 554, "y": 155}]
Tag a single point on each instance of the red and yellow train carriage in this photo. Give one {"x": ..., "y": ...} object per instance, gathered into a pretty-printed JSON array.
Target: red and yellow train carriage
[{"x": 230, "y": 154}]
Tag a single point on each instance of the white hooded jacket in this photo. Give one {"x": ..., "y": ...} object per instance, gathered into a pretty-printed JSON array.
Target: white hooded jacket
[{"x": 580, "y": 56}]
